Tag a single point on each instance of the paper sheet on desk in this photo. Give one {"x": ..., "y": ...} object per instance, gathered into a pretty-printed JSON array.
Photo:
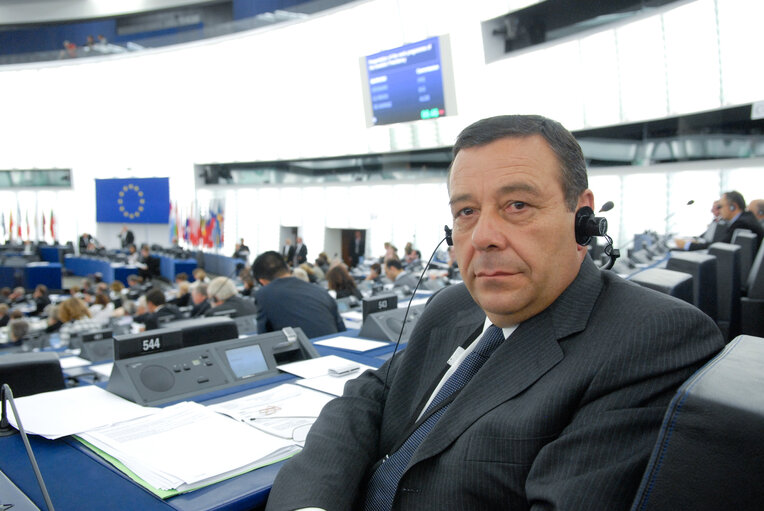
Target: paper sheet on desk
[
  {"x": 188, "y": 445},
  {"x": 70, "y": 411},
  {"x": 69, "y": 362},
  {"x": 279, "y": 411},
  {"x": 315, "y": 372},
  {"x": 352, "y": 343}
]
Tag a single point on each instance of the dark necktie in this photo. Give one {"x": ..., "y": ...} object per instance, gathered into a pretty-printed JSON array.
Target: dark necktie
[{"x": 384, "y": 481}]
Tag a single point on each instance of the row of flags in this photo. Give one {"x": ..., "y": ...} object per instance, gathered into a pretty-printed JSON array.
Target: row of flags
[
  {"x": 198, "y": 226},
  {"x": 24, "y": 230}
]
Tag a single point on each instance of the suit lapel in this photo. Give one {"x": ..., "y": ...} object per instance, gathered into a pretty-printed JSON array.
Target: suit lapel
[{"x": 530, "y": 352}]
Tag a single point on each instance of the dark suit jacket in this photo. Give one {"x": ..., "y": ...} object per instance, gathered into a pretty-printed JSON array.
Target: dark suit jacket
[
  {"x": 240, "y": 306},
  {"x": 562, "y": 416},
  {"x": 200, "y": 309},
  {"x": 289, "y": 255},
  {"x": 151, "y": 319},
  {"x": 746, "y": 220},
  {"x": 301, "y": 255},
  {"x": 290, "y": 301}
]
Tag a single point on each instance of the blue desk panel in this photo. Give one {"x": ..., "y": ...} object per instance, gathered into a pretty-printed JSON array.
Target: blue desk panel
[
  {"x": 84, "y": 266},
  {"x": 48, "y": 274},
  {"x": 52, "y": 254},
  {"x": 169, "y": 267},
  {"x": 221, "y": 265}
]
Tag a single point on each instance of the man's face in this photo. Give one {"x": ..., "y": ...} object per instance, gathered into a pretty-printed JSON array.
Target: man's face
[
  {"x": 513, "y": 233},
  {"x": 197, "y": 298},
  {"x": 391, "y": 272},
  {"x": 726, "y": 213}
]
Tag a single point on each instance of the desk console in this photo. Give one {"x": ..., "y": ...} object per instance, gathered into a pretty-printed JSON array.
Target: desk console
[{"x": 166, "y": 376}]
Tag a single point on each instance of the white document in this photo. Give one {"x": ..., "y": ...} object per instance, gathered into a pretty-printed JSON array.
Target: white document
[
  {"x": 331, "y": 384},
  {"x": 70, "y": 411},
  {"x": 103, "y": 369},
  {"x": 187, "y": 445},
  {"x": 352, "y": 343},
  {"x": 286, "y": 411},
  {"x": 69, "y": 362},
  {"x": 317, "y": 366}
]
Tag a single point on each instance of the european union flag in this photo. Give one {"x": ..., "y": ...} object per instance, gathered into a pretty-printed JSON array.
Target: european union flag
[{"x": 145, "y": 201}]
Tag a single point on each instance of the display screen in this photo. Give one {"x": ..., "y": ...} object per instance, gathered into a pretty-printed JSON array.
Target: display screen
[
  {"x": 246, "y": 361},
  {"x": 412, "y": 82}
]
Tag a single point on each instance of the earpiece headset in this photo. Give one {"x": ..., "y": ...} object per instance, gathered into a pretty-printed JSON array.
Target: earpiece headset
[{"x": 589, "y": 226}]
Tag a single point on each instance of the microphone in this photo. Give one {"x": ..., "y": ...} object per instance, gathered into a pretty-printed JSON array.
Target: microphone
[
  {"x": 607, "y": 206},
  {"x": 449, "y": 241},
  {"x": 5, "y": 392}
]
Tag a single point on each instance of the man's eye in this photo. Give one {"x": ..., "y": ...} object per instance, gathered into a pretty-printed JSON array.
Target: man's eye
[
  {"x": 465, "y": 212},
  {"x": 517, "y": 205}
]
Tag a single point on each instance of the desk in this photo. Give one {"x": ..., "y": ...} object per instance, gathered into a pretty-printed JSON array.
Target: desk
[
  {"x": 79, "y": 479},
  {"x": 30, "y": 275},
  {"x": 84, "y": 266},
  {"x": 52, "y": 254},
  {"x": 169, "y": 267}
]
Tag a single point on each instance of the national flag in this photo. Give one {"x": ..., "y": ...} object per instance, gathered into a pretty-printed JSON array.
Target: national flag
[
  {"x": 26, "y": 217},
  {"x": 5, "y": 232},
  {"x": 173, "y": 226},
  {"x": 18, "y": 221},
  {"x": 43, "y": 225},
  {"x": 52, "y": 226},
  {"x": 10, "y": 235}
]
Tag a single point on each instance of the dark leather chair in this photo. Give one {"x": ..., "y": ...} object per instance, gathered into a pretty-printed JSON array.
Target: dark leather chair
[
  {"x": 31, "y": 373},
  {"x": 710, "y": 455}
]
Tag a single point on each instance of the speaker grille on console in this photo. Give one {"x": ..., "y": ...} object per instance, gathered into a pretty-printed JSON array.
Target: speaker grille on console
[{"x": 157, "y": 378}]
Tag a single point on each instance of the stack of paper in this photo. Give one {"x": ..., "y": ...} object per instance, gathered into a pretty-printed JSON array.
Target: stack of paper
[{"x": 187, "y": 446}]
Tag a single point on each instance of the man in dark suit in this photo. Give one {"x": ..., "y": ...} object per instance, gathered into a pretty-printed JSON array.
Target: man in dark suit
[
  {"x": 126, "y": 237},
  {"x": 285, "y": 300},
  {"x": 158, "y": 310},
  {"x": 287, "y": 251},
  {"x": 300, "y": 252},
  {"x": 540, "y": 383},
  {"x": 199, "y": 298},
  {"x": 223, "y": 297},
  {"x": 357, "y": 248},
  {"x": 732, "y": 211},
  {"x": 148, "y": 265}
]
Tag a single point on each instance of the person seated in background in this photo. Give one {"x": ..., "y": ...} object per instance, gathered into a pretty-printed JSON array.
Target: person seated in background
[
  {"x": 5, "y": 316},
  {"x": 284, "y": 300},
  {"x": 310, "y": 271},
  {"x": 181, "y": 277},
  {"x": 87, "y": 243},
  {"x": 757, "y": 208},
  {"x": 18, "y": 295},
  {"x": 223, "y": 297},
  {"x": 540, "y": 383},
  {"x": 102, "y": 308},
  {"x": 75, "y": 316},
  {"x": 737, "y": 217},
  {"x": 133, "y": 256},
  {"x": 156, "y": 308},
  {"x": 375, "y": 274},
  {"x": 200, "y": 275},
  {"x": 148, "y": 265},
  {"x": 115, "y": 292},
  {"x": 342, "y": 283},
  {"x": 5, "y": 294},
  {"x": 53, "y": 322},
  {"x": 301, "y": 274},
  {"x": 183, "y": 299},
  {"x": 322, "y": 261},
  {"x": 199, "y": 298},
  {"x": 41, "y": 298},
  {"x": 249, "y": 285},
  {"x": 395, "y": 273},
  {"x": 17, "y": 329}
]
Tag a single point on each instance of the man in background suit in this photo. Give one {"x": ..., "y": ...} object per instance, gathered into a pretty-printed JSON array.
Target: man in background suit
[
  {"x": 157, "y": 308},
  {"x": 126, "y": 237},
  {"x": 287, "y": 251},
  {"x": 578, "y": 365},
  {"x": 732, "y": 210},
  {"x": 199, "y": 298},
  {"x": 224, "y": 297},
  {"x": 357, "y": 248},
  {"x": 300, "y": 252},
  {"x": 285, "y": 300}
]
